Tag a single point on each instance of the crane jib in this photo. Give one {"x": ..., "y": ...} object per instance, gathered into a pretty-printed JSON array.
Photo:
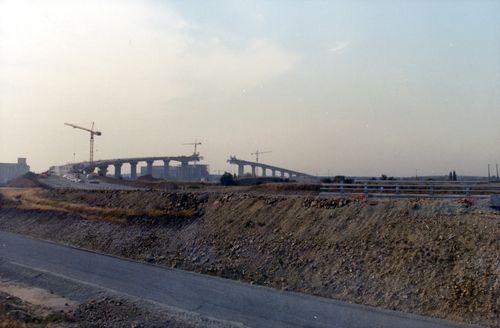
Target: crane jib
[{"x": 92, "y": 133}]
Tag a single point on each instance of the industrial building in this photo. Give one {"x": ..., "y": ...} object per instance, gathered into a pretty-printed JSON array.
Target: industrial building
[
  {"x": 10, "y": 171},
  {"x": 191, "y": 172}
]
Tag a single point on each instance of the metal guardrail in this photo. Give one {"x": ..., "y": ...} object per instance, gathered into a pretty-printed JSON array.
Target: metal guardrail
[{"x": 413, "y": 189}]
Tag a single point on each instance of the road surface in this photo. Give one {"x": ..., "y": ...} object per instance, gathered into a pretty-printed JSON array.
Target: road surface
[
  {"x": 56, "y": 181},
  {"x": 222, "y": 299}
]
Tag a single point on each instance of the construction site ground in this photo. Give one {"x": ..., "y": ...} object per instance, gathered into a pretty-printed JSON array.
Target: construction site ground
[
  {"x": 20, "y": 308},
  {"x": 438, "y": 258}
]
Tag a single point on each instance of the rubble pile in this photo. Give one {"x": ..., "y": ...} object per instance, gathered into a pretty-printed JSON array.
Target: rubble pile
[
  {"x": 113, "y": 312},
  {"x": 328, "y": 203}
]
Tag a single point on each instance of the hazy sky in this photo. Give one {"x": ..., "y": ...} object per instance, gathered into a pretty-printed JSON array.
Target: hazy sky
[{"x": 347, "y": 87}]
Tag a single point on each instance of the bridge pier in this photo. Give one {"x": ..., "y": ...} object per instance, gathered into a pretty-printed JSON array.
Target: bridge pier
[
  {"x": 184, "y": 168},
  {"x": 264, "y": 171},
  {"x": 241, "y": 170},
  {"x": 118, "y": 170},
  {"x": 166, "y": 168},
  {"x": 149, "y": 169},
  {"x": 103, "y": 170},
  {"x": 282, "y": 174},
  {"x": 133, "y": 170},
  {"x": 253, "y": 171},
  {"x": 274, "y": 172}
]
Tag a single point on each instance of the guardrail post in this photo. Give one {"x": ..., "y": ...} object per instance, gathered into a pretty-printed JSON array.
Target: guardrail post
[
  {"x": 467, "y": 191},
  {"x": 342, "y": 188},
  {"x": 366, "y": 189},
  {"x": 431, "y": 190},
  {"x": 397, "y": 190}
]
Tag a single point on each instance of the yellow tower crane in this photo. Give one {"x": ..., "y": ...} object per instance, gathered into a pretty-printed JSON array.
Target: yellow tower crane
[{"x": 92, "y": 134}]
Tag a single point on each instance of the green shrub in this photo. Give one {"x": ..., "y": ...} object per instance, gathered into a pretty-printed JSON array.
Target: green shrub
[{"x": 227, "y": 179}]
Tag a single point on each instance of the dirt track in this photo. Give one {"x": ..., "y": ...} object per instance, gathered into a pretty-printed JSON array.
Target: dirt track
[{"x": 433, "y": 257}]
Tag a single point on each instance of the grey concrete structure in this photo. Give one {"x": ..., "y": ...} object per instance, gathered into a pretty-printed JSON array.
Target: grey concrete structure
[
  {"x": 264, "y": 167},
  {"x": 166, "y": 168},
  {"x": 133, "y": 170},
  {"x": 103, "y": 165},
  {"x": 191, "y": 172},
  {"x": 10, "y": 171}
]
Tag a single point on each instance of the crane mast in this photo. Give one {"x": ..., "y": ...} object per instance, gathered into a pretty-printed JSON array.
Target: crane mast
[
  {"x": 92, "y": 134},
  {"x": 257, "y": 153},
  {"x": 196, "y": 143}
]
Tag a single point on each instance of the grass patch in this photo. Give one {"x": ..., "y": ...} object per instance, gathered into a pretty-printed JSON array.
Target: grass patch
[{"x": 31, "y": 199}]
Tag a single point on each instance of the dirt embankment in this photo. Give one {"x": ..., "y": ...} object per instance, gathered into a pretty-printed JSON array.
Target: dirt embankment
[
  {"x": 432, "y": 257},
  {"x": 28, "y": 180},
  {"x": 158, "y": 208},
  {"x": 147, "y": 182}
]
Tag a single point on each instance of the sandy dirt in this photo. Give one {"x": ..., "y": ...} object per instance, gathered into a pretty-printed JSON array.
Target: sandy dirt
[
  {"x": 26, "y": 306},
  {"x": 433, "y": 257},
  {"x": 37, "y": 296}
]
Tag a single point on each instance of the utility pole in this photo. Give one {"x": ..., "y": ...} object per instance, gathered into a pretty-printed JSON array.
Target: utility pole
[
  {"x": 489, "y": 175},
  {"x": 497, "y": 172},
  {"x": 416, "y": 174}
]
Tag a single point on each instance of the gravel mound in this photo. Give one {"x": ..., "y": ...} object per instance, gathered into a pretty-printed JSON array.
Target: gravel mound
[
  {"x": 147, "y": 177},
  {"x": 110, "y": 312},
  {"x": 28, "y": 180},
  {"x": 143, "y": 182}
]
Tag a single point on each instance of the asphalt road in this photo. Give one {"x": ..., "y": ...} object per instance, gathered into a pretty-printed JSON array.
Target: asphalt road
[
  {"x": 223, "y": 299},
  {"x": 56, "y": 181}
]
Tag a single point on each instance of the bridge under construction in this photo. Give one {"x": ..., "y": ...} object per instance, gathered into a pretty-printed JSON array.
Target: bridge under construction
[
  {"x": 102, "y": 166},
  {"x": 264, "y": 168}
]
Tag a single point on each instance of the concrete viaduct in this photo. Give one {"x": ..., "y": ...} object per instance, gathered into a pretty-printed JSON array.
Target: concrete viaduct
[
  {"x": 275, "y": 171},
  {"x": 102, "y": 165}
]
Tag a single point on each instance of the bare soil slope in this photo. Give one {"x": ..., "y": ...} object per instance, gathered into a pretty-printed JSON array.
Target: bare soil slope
[{"x": 432, "y": 257}]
